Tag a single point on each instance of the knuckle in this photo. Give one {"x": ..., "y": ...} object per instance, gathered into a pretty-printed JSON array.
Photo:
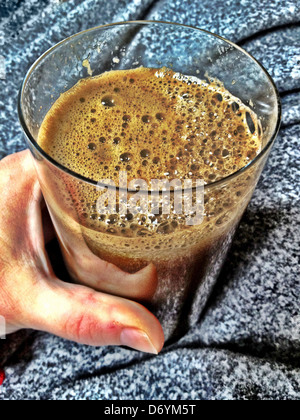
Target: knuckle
[
  {"x": 81, "y": 328},
  {"x": 82, "y": 325}
]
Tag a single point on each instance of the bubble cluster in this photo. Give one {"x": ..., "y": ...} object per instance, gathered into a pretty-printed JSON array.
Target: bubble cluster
[{"x": 154, "y": 124}]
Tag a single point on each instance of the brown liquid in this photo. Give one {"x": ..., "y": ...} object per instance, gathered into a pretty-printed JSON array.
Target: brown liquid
[{"x": 154, "y": 124}]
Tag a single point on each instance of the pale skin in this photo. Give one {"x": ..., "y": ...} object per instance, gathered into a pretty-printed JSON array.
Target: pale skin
[{"x": 31, "y": 296}]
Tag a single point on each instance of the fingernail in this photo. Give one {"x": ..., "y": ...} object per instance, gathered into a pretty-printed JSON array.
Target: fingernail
[{"x": 138, "y": 340}]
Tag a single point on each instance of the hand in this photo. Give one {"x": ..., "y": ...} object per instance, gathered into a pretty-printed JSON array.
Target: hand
[{"x": 30, "y": 294}]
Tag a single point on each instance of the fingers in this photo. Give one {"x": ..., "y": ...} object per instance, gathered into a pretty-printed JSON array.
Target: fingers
[
  {"x": 106, "y": 277},
  {"x": 91, "y": 270},
  {"x": 79, "y": 314}
]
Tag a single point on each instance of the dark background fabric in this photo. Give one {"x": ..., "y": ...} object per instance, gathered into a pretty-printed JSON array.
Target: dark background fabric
[{"x": 247, "y": 343}]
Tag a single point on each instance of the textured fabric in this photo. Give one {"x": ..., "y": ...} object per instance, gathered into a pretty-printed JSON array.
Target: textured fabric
[{"x": 247, "y": 343}]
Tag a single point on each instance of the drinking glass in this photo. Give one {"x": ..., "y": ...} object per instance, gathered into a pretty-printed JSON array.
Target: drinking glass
[{"x": 188, "y": 258}]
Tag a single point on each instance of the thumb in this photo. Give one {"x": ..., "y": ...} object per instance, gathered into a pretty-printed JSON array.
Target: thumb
[{"x": 81, "y": 314}]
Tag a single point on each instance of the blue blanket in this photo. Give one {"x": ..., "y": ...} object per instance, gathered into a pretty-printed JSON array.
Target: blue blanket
[{"x": 247, "y": 343}]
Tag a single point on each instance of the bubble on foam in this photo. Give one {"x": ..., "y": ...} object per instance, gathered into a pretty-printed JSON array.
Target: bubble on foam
[
  {"x": 108, "y": 101},
  {"x": 146, "y": 119},
  {"x": 92, "y": 146},
  {"x": 125, "y": 157},
  {"x": 145, "y": 153},
  {"x": 160, "y": 116}
]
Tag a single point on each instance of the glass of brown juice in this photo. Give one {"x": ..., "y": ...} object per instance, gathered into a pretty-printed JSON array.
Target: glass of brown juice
[{"x": 148, "y": 140}]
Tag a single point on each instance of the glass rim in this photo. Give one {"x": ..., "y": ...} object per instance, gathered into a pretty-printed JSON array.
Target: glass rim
[{"x": 94, "y": 183}]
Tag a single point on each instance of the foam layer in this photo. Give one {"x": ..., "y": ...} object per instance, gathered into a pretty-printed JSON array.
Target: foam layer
[{"x": 151, "y": 123}]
